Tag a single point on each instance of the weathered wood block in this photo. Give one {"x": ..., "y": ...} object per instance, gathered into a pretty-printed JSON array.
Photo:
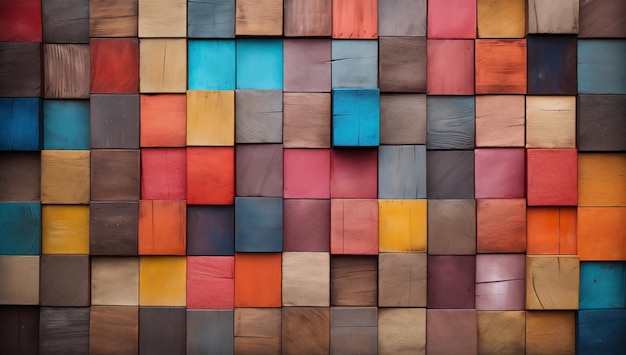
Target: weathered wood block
[
  {"x": 162, "y": 18},
  {"x": 65, "y": 176},
  {"x": 551, "y": 177},
  {"x": 259, "y": 18},
  {"x": 601, "y": 19},
  {"x": 550, "y": 122},
  {"x": 307, "y": 65},
  {"x": 259, "y": 63},
  {"x": 258, "y": 224},
  {"x": 210, "y": 230},
  {"x": 402, "y": 119},
  {"x": 162, "y": 227},
  {"x": 353, "y": 330},
  {"x": 354, "y": 63},
  {"x": 114, "y": 121},
  {"x": 450, "y": 174},
  {"x": 353, "y": 280},
  {"x": 64, "y": 329},
  {"x": 66, "y": 71},
  {"x": 257, "y": 330},
  {"x": 307, "y": 173},
  {"x": 115, "y": 175},
  {"x": 402, "y": 64},
  {"x": 64, "y": 281},
  {"x": 113, "y": 18},
  {"x": 162, "y": 280},
  {"x": 552, "y": 282},
  {"x": 306, "y": 279},
  {"x": 450, "y": 122},
  {"x": 115, "y": 281},
  {"x": 21, "y": 22},
  {"x": 602, "y": 285},
  {"x": 259, "y": 169},
  {"x": 258, "y": 281},
  {"x": 500, "y": 173},
  {"x": 306, "y": 121},
  {"x": 452, "y": 19},
  {"x": 402, "y": 280},
  {"x": 163, "y": 120},
  {"x": 551, "y": 230},
  {"x": 501, "y": 66},
  {"x": 220, "y": 75},
  {"x": 600, "y": 331},
  {"x": 114, "y": 65},
  {"x": 500, "y": 121},
  {"x": 259, "y": 116},
  {"x": 402, "y": 18},
  {"x": 501, "y": 332},
  {"x": 64, "y": 229},
  {"x": 114, "y": 329},
  {"x": 451, "y": 281},
  {"x": 157, "y": 54},
  {"x": 20, "y": 275},
  {"x": 21, "y": 125},
  {"x": 20, "y": 176},
  {"x": 211, "y": 282},
  {"x": 354, "y": 226},
  {"x": 402, "y": 225},
  {"x": 402, "y": 172},
  {"x": 305, "y": 330},
  {"x": 66, "y": 124},
  {"x": 306, "y": 224},
  {"x": 355, "y": 19},
  {"x": 450, "y": 67},
  {"x": 19, "y": 329},
  {"x": 501, "y": 225},
  {"x": 451, "y": 331},
  {"x": 501, "y": 18},
  {"x": 550, "y": 332},
  {"x": 356, "y": 117},
  {"x": 113, "y": 228},
  {"x": 65, "y": 21},
  {"x": 401, "y": 331},
  {"x": 500, "y": 282},
  {"x": 600, "y": 69},
  {"x": 210, "y": 331},
  {"x": 609, "y": 222},
  {"x": 211, "y": 167},
  {"x": 306, "y": 18},
  {"x": 211, "y": 19},
  {"x": 451, "y": 227},
  {"x": 164, "y": 173},
  {"x": 211, "y": 118},
  {"x": 599, "y": 126},
  {"x": 601, "y": 180},
  {"x": 21, "y": 64},
  {"x": 545, "y": 16},
  {"x": 162, "y": 330},
  {"x": 552, "y": 65}
]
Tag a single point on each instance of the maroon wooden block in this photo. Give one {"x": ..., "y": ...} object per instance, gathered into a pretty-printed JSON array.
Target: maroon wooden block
[
  {"x": 354, "y": 173},
  {"x": 20, "y": 21},
  {"x": 306, "y": 225},
  {"x": 500, "y": 280},
  {"x": 353, "y": 280},
  {"x": 22, "y": 69},
  {"x": 64, "y": 280},
  {"x": 114, "y": 175},
  {"x": 306, "y": 65},
  {"x": 19, "y": 329},
  {"x": 259, "y": 170},
  {"x": 451, "y": 331},
  {"x": 307, "y": 173},
  {"x": 451, "y": 281},
  {"x": 163, "y": 173},
  {"x": 552, "y": 177},
  {"x": 499, "y": 173}
]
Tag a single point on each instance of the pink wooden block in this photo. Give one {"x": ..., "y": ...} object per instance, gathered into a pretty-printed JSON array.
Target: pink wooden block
[
  {"x": 306, "y": 224},
  {"x": 451, "y": 19},
  {"x": 354, "y": 227},
  {"x": 552, "y": 177},
  {"x": 210, "y": 282},
  {"x": 499, "y": 173},
  {"x": 306, "y": 173},
  {"x": 500, "y": 284},
  {"x": 450, "y": 67},
  {"x": 354, "y": 173},
  {"x": 163, "y": 174}
]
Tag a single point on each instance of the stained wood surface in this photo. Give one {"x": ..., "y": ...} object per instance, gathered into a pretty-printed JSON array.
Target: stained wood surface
[
  {"x": 599, "y": 127},
  {"x": 402, "y": 225},
  {"x": 113, "y": 18},
  {"x": 115, "y": 175},
  {"x": 402, "y": 279},
  {"x": 501, "y": 66},
  {"x": 451, "y": 281},
  {"x": 114, "y": 329},
  {"x": 306, "y": 225},
  {"x": 442, "y": 325},
  {"x": 258, "y": 281},
  {"x": 452, "y": 19},
  {"x": 20, "y": 176},
  {"x": 354, "y": 173},
  {"x": 353, "y": 280},
  {"x": 353, "y": 330},
  {"x": 64, "y": 229},
  {"x": 259, "y": 18},
  {"x": 501, "y": 225},
  {"x": 307, "y": 18},
  {"x": 552, "y": 65},
  {"x": 210, "y": 118},
  {"x": 501, "y": 332},
  {"x": 21, "y": 279},
  {"x": 545, "y": 16},
  {"x": 550, "y": 332},
  {"x": 162, "y": 281},
  {"x": 500, "y": 282},
  {"x": 305, "y": 330},
  {"x": 210, "y": 167},
  {"x": 601, "y": 179},
  {"x": 600, "y": 330},
  {"x": 608, "y": 222},
  {"x": 21, "y": 21},
  {"x": 500, "y": 173},
  {"x": 450, "y": 69},
  {"x": 210, "y": 282},
  {"x": 550, "y": 122},
  {"x": 500, "y": 121},
  {"x": 64, "y": 281},
  {"x": 450, "y": 122},
  {"x": 258, "y": 116},
  {"x": 402, "y": 172},
  {"x": 157, "y": 54},
  {"x": 220, "y": 75},
  {"x": 402, "y": 18},
  {"x": 306, "y": 279},
  {"x": 402, "y": 119},
  {"x": 599, "y": 66},
  {"x": 114, "y": 121},
  {"x": 21, "y": 222},
  {"x": 21, "y": 129},
  {"x": 211, "y": 19},
  {"x": 306, "y": 121},
  {"x": 163, "y": 120},
  {"x": 552, "y": 282},
  {"x": 210, "y": 330},
  {"x": 307, "y": 173},
  {"x": 164, "y": 173},
  {"x": 162, "y": 228},
  {"x": 602, "y": 285},
  {"x": 64, "y": 329},
  {"x": 65, "y": 21},
  {"x": 450, "y": 174},
  {"x": 401, "y": 331},
  {"x": 210, "y": 230},
  {"x": 402, "y": 64},
  {"x": 66, "y": 124},
  {"x": 354, "y": 63},
  {"x": 22, "y": 72},
  {"x": 162, "y": 330},
  {"x": 114, "y": 65},
  {"x": 551, "y": 177},
  {"x": 65, "y": 176},
  {"x": 257, "y": 330},
  {"x": 356, "y": 117},
  {"x": 307, "y": 65},
  {"x": 501, "y": 18},
  {"x": 551, "y": 230},
  {"x": 602, "y": 19},
  {"x": 113, "y": 228},
  {"x": 66, "y": 71},
  {"x": 258, "y": 224},
  {"x": 354, "y": 226},
  {"x": 259, "y": 169},
  {"x": 115, "y": 281},
  {"x": 19, "y": 329},
  {"x": 162, "y": 18},
  {"x": 355, "y": 19},
  {"x": 451, "y": 227}
]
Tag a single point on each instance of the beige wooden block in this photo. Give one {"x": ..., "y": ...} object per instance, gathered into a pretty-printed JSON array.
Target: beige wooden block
[
  {"x": 20, "y": 279},
  {"x": 162, "y": 18},
  {"x": 259, "y": 18},
  {"x": 306, "y": 279},
  {"x": 401, "y": 331},
  {"x": 402, "y": 279},
  {"x": 552, "y": 16},
  {"x": 501, "y": 332},
  {"x": 65, "y": 176},
  {"x": 211, "y": 118},
  {"x": 551, "y": 122},
  {"x": 552, "y": 282},
  {"x": 115, "y": 281},
  {"x": 551, "y": 332},
  {"x": 163, "y": 65},
  {"x": 500, "y": 120}
]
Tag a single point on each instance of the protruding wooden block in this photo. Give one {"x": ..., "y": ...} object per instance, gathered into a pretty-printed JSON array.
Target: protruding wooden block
[
  {"x": 355, "y": 19},
  {"x": 211, "y": 118},
  {"x": 451, "y": 227},
  {"x": 552, "y": 65},
  {"x": 600, "y": 331},
  {"x": 114, "y": 121},
  {"x": 308, "y": 18},
  {"x": 114, "y": 329},
  {"x": 306, "y": 279},
  {"x": 162, "y": 18},
  {"x": 113, "y": 18},
  {"x": 19, "y": 329},
  {"x": 65, "y": 176},
  {"x": 21, "y": 126},
  {"x": 501, "y": 225},
  {"x": 307, "y": 173},
  {"x": 259, "y": 169},
  {"x": 306, "y": 122},
  {"x": 602, "y": 285},
  {"x": 258, "y": 280},
  {"x": 450, "y": 122},
  {"x": 66, "y": 71},
  {"x": 353, "y": 330},
  {"x": 210, "y": 330},
  {"x": 258, "y": 224},
  {"x": 254, "y": 18},
  {"x": 21, "y": 223},
  {"x": 64, "y": 329},
  {"x": 601, "y": 19},
  {"x": 450, "y": 174},
  {"x": 65, "y": 21},
  {"x": 162, "y": 330},
  {"x": 402, "y": 172},
  {"x": 210, "y": 230},
  {"x": 452, "y": 19},
  {"x": 114, "y": 65},
  {"x": 552, "y": 282},
  {"x": 599, "y": 124},
  {"x": 260, "y": 63},
  {"x": 610, "y": 223},
  {"x": 354, "y": 173},
  {"x": 163, "y": 120},
  {"x": 66, "y": 124},
  {"x": 550, "y": 332},
  {"x": 163, "y": 173},
  {"x": 20, "y": 176},
  {"x": 64, "y": 229},
  {"x": 356, "y": 117},
  {"x": 21, "y": 21},
  {"x": 259, "y": 116},
  {"x": 115, "y": 175},
  {"x": 501, "y": 332},
  {"x": 354, "y": 63},
  {"x": 552, "y": 177},
  {"x": 21, "y": 279},
  {"x": 21, "y": 64},
  {"x": 162, "y": 280},
  {"x": 306, "y": 224},
  {"x": 220, "y": 75},
  {"x": 500, "y": 121},
  {"x": 600, "y": 69},
  {"x": 402, "y": 18},
  {"x": 501, "y": 66},
  {"x": 450, "y": 67},
  {"x": 501, "y": 18},
  {"x": 115, "y": 281},
  {"x": 547, "y": 16},
  {"x": 402, "y": 280},
  {"x": 353, "y": 280},
  {"x": 210, "y": 282},
  {"x": 257, "y": 330},
  {"x": 307, "y": 65},
  {"x": 601, "y": 180},
  {"x": 162, "y": 227},
  {"x": 551, "y": 230},
  {"x": 550, "y": 122},
  {"x": 402, "y": 119},
  {"x": 451, "y": 281},
  {"x": 210, "y": 167},
  {"x": 402, "y": 225},
  {"x": 305, "y": 330},
  {"x": 211, "y": 19},
  {"x": 157, "y": 54},
  {"x": 500, "y": 282},
  {"x": 500, "y": 173},
  {"x": 451, "y": 331},
  {"x": 402, "y": 64},
  {"x": 113, "y": 228},
  {"x": 401, "y": 331},
  {"x": 354, "y": 226},
  {"x": 64, "y": 281}
]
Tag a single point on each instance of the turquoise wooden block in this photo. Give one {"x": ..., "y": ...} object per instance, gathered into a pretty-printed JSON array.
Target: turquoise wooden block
[
  {"x": 20, "y": 228},
  {"x": 259, "y": 63},
  {"x": 601, "y": 68},
  {"x": 211, "y": 64},
  {"x": 602, "y": 285},
  {"x": 20, "y": 124},
  {"x": 354, "y": 64},
  {"x": 402, "y": 171},
  {"x": 601, "y": 332},
  {"x": 66, "y": 124},
  {"x": 356, "y": 117},
  {"x": 450, "y": 122},
  {"x": 258, "y": 224},
  {"x": 211, "y": 18}
]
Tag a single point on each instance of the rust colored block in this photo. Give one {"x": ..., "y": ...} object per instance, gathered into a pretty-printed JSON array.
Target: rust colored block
[
  {"x": 500, "y": 66},
  {"x": 501, "y": 226}
]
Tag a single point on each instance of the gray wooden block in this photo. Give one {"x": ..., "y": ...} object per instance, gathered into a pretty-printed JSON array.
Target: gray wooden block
[
  {"x": 450, "y": 174},
  {"x": 402, "y": 64},
  {"x": 402, "y": 119},
  {"x": 259, "y": 116},
  {"x": 601, "y": 123},
  {"x": 259, "y": 169},
  {"x": 402, "y": 172},
  {"x": 354, "y": 64},
  {"x": 65, "y": 21},
  {"x": 353, "y": 330},
  {"x": 211, "y": 19},
  {"x": 450, "y": 122},
  {"x": 402, "y": 18},
  {"x": 115, "y": 121},
  {"x": 64, "y": 280},
  {"x": 162, "y": 330},
  {"x": 210, "y": 331},
  {"x": 451, "y": 227},
  {"x": 64, "y": 330}
]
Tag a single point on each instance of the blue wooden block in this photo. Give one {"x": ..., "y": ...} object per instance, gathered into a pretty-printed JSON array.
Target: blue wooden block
[
  {"x": 66, "y": 124},
  {"x": 259, "y": 63},
  {"x": 20, "y": 124},
  {"x": 354, "y": 64},
  {"x": 211, "y": 64},
  {"x": 258, "y": 224},
  {"x": 552, "y": 64},
  {"x": 211, "y": 18},
  {"x": 210, "y": 230},
  {"x": 450, "y": 122},
  {"x": 601, "y": 332},
  {"x": 601, "y": 68},
  {"x": 602, "y": 285},
  {"x": 356, "y": 117},
  {"x": 20, "y": 228},
  {"x": 402, "y": 171}
]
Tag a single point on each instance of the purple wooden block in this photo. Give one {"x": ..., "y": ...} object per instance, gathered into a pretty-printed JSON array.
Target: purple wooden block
[
  {"x": 306, "y": 225},
  {"x": 451, "y": 331},
  {"x": 500, "y": 284},
  {"x": 307, "y": 65},
  {"x": 259, "y": 169},
  {"x": 451, "y": 281}
]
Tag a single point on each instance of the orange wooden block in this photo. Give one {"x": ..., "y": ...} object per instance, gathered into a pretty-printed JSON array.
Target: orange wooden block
[
  {"x": 354, "y": 226},
  {"x": 162, "y": 227},
  {"x": 500, "y": 66},
  {"x": 211, "y": 176},
  {"x": 501, "y": 226},
  {"x": 551, "y": 230},
  {"x": 602, "y": 179},
  {"x": 163, "y": 120},
  {"x": 355, "y": 19},
  {"x": 602, "y": 233},
  {"x": 258, "y": 279}
]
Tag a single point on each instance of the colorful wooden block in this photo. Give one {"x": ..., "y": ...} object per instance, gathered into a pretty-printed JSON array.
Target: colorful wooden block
[
  {"x": 114, "y": 329},
  {"x": 602, "y": 285},
  {"x": 551, "y": 230},
  {"x": 307, "y": 65},
  {"x": 257, "y": 330},
  {"x": 114, "y": 65},
  {"x": 19, "y": 329},
  {"x": 402, "y": 279},
  {"x": 114, "y": 121},
  {"x": 307, "y": 18},
  {"x": 259, "y": 64},
  {"x": 552, "y": 177},
  {"x": 500, "y": 282},
  {"x": 66, "y": 124},
  {"x": 311, "y": 335},
  {"x": 163, "y": 120},
  {"x": 113, "y": 228},
  {"x": 259, "y": 169},
  {"x": 402, "y": 172},
  {"x": 162, "y": 228},
  {"x": 220, "y": 74},
  {"x": 258, "y": 224},
  {"x": 356, "y": 117},
  {"x": 162, "y": 18},
  {"x": 600, "y": 331},
  {"x": 115, "y": 281},
  {"x": 354, "y": 63},
  {"x": 21, "y": 279},
  {"x": 402, "y": 225},
  {"x": 443, "y": 325},
  {"x": 500, "y": 121},
  {"x": 354, "y": 227},
  {"x": 65, "y": 176},
  {"x": 306, "y": 279},
  {"x": 599, "y": 126},
  {"x": 500, "y": 173},
  {"x": 210, "y": 230},
  {"x": 601, "y": 179},
  {"x": 451, "y": 281},
  {"x": 306, "y": 121},
  {"x": 450, "y": 174},
  {"x": 22, "y": 68},
  {"x": 164, "y": 173},
  {"x": 259, "y": 116},
  {"x": 353, "y": 330},
  {"x": 162, "y": 330},
  {"x": 21, "y": 22},
  {"x": 211, "y": 19},
  {"x": 501, "y": 332},
  {"x": 609, "y": 222},
  {"x": 401, "y": 330},
  {"x": 115, "y": 175},
  {"x": 402, "y": 64},
  {"x": 210, "y": 167},
  {"x": 64, "y": 281},
  {"x": 450, "y": 68},
  {"x": 210, "y": 330},
  {"x": 402, "y": 18},
  {"x": 501, "y": 18},
  {"x": 257, "y": 281},
  {"x": 601, "y": 19},
  {"x": 113, "y": 18},
  {"x": 157, "y": 54},
  {"x": 450, "y": 122},
  {"x": 452, "y": 19},
  {"x": 307, "y": 173},
  {"x": 210, "y": 118},
  {"x": 546, "y": 16},
  {"x": 355, "y": 19},
  {"x": 599, "y": 66},
  {"x": 64, "y": 229},
  {"x": 353, "y": 280},
  {"x": 550, "y": 122},
  {"x": 551, "y": 331},
  {"x": 402, "y": 119},
  {"x": 552, "y": 65},
  {"x": 501, "y": 226},
  {"x": 20, "y": 176},
  {"x": 552, "y": 282},
  {"x": 162, "y": 280},
  {"x": 65, "y": 21},
  {"x": 210, "y": 282},
  {"x": 306, "y": 224},
  {"x": 64, "y": 329},
  {"x": 253, "y": 18},
  {"x": 501, "y": 66},
  {"x": 21, "y": 124},
  {"x": 451, "y": 227},
  {"x": 66, "y": 71}
]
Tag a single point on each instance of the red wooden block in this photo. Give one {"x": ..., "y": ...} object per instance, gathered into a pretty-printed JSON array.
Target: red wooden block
[
  {"x": 499, "y": 173},
  {"x": 450, "y": 67},
  {"x": 501, "y": 226},
  {"x": 451, "y": 18},
  {"x": 354, "y": 227},
  {"x": 163, "y": 120},
  {"x": 211, "y": 176},
  {"x": 258, "y": 279},
  {"x": 20, "y": 21},
  {"x": 164, "y": 173},
  {"x": 162, "y": 227},
  {"x": 500, "y": 66},
  {"x": 211, "y": 282},
  {"x": 306, "y": 225},
  {"x": 355, "y": 18},
  {"x": 114, "y": 65},
  {"x": 552, "y": 177},
  {"x": 354, "y": 173},
  {"x": 306, "y": 173}
]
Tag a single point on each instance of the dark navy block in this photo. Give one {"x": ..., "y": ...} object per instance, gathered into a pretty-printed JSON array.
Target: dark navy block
[
  {"x": 20, "y": 228},
  {"x": 260, "y": 64},
  {"x": 602, "y": 285},
  {"x": 552, "y": 64},
  {"x": 66, "y": 124},
  {"x": 601, "y": 332},
  {"x": 356, "y": 117},
  {"x": 20, "y": 124},
  {"x": 211, "y": 64},
  {"x": 258, "y": 224},
  {"x": 210, "y": 230}
]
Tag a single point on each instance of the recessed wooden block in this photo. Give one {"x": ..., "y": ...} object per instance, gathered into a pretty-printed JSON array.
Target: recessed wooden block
[
  {"x": 65, "y": 176},
  {"x": 259, "y": 116},
  {"x": 258, "y": 224},
  {"x": 402, "y": 64},
  {"x": 354, "y": 63},
  {"x": 600, "y": 69},
  {"x": 305, "y": 330},
  {"x": 450, "y": 67},
  {"x": 162, "y": 227},
  {"x": 210, "y": 230},
  {"x": 402, "y": 331},
  {"x": 306, "y": 122},
  {"x": 259, "y": 63},
  {"x": 501, "y": 18},
  {"x": 551, "y": 230},
  {"x": 548, "y": 16},
  {"x": 114, "y": 65},
  {"x": 66, "y": 124},
  {"x": 19, "y": 329},
  {"x": 500, "y": 173},
  {"x": 65, "y": 21},
  {"x": 451, "y": 331},
  {"x": 356, "y": 117},
  {"x": 601, "y": 180},
  {"x": 113, "y": 18},
  {"x": 210, "y": 118},
  {"x": 162, "y": 330},
  {"x": 500, "y": 282},
  {"x": 402, "y": 18},
  {"x": 402, "y": 172},
  {"x": 451, "y": 281},
  {"x": 452, "y": 19},
  {"x": 163, "y": 173},
  {"x": 66, "y": 71},
  {"x": 307, "y": 173},
  {"x": 113, "y": 228},
  {"x": 500, "y": 120},
  {"x": 259, "y": 169},
  {"x": 501, "y": 225},
  {"x": 402, "y": 280},
  {"x": 602, "y": 19},
  {"x": 254, "y": 18},
  {"x": 402, "y": 119},
  {"x": 64, "y": 329},
  {"x": 599, "y": 125},
  {"x": 210, "y": 330},
  {"x": 602, "y": 285},
  {"x": 257, "y": 330},
  {"x": 307, "y": 65},
  {"x": 308, "y": 18},
  {"x": 21, "y": 124},
  {"x": 163, "y": 120},
  {"x": 257, "y": 280},
  {"x": 213, "y": 167},
  {"x": 402, "y": 225},
  {"x": 114, "y": 175},
  {"x": 353, "y": 330},
  {"x": 306, "y": 279},
  {"x": 210, "y": 282},
  {"x": 552, "y": 177},
  {"x": 552, "y": 282},
  {"x": 550, "y": 122},
  {"x": 220, "y": 75},
  {"x": 114, "y": 329},
  {"x": 306, "y": 225},
  {"x": 114, "y": 121},
  {"x": 21, "y": 64},
  {"x": 211, "y": 19},
  {"x": 64, "y": 229},
  {"x": 552, "y": 65},
  {"x": 21, "y": 279},
  {"x": 600, "y": 331},
  {"x": 353, "y": 280},
  {"x": 501, "y": 66},
  {"x": 451, "y": 227},
  {"x": 450, "y": 174},
  {"x": 355, "y": 19},
  {"x": 20, "y": 176},
  {"x": 162, "y": 18},
  {"x": 157, "y": 54},
  {"x": 162, "y": 280},
  {"x": 20, "y": 21},
  {"x": 64, "y": 281},
  {"x": 115, "y": 281},
  {"x": 608, "y": 222},
  {"x": 354, "y": 226},
  {"x": 551, "y": 332},
  {"x": 354, "y": 173},
  {"x": 501, "y": 332},
  {"x": 450, "y": 122}
]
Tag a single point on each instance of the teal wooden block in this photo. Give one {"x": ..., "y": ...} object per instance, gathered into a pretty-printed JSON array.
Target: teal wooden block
[
  {"x": 258, "y": 224},
  {"x": 450, "y": 122},
  {"x": 402, "y": 171},
  {"x": 259, "y": 63},
  {"x": 20, "y": 228},
  {"x": 601, "y": 68},
  {"x": 20, "y": 124},
  {"x": 211, "y": 64},
  {"x": 211, "y": 18},
  {"x": 601, "y": 332},
  {"x": 354, "y": 64},
  {"x": 66, "y": 124},
  {"x": 602, "y": 285},
  {"x": 356, "y": 117}
]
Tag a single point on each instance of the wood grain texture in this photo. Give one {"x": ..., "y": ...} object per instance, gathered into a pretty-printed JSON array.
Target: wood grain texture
[
  {"x": 402, "y": 64},
  {"x": 211, "y": 167},
  {"x": 157, "y": 54},
  {"x": 552, "y": 282},
  {"x": 258, "y": 224},
  {"x": 353, "y": 330},
  {"x": 259, "y": 18},
  {"x": 113, "y": 18},
  {"x": 114, "y": 65},
  {"x": 450, "y": 122},
  {"x": 104, "y": 238},
  {"x": 501, "y": 225},
  {"x": 306, "y": 225},
  {"x": 501, "y": 18},
  {"x": 500, "y": 282},
  {"x": 501, "y": 332},
  {"x": 162, "y": 18},
  {"x": 599, "y": 66},
  {"x": 602, "y": 285},
  {"x": 115, "y": 281},
  {"x": 259, "y": 169},
  {"x": 600, "y": 330},
  {"x": 402, "y": 119},
  {"x": 21, "y": 127},
  {"x": 401, "y": 331},
  {"x": 64, "y": 229},
  {"x": 19, "y": 329},
  {"x": 21, "y": 279},
  {"x": 451, "y": 227},
  {"x": 114, "y": 121},
  {"x": 115, "y": 175},
  {"x": 601, "y": 179},
  {"x": 65, "y": 176},
  {"x": 450, "y": 68},
  {"x": 551, "y": 230},
  {"x": 500, "y": 173},
  {"x": 211, "y": 19},
  {"x": 402, "y": 18},
  {"x": 258, "y": 116},
  {"x": 163, "y": 120},
  {"x": 257, "y": 331},
  {"x": 164, "y": 173},
  {"x": 599, "y": 126},
  {"x": 307, "y": 65},
  {"x": 402, "y": 279},
  {"x": 114, "y": 329},
  {"x": 451, "y": 281},
  {"x": 402, "y": 225},
  {"x": 22, "y": 72},
  {"x": 210, "y": 282},
  {"x": 210, "y": 118},
  {"x": 500, "y": 66},
  {"x": 545, "y": 16},
  {"x": 258, "y": 281},
  {"x": 354, "y": 226},
  {"x": 354, "y": 173},
  {"x": 210, "y": 230},
  {"x": 162, "y": 330},
  {"x": 260, "y": 63},
  {"x": 305, "y": 330},
  {"x": 442, "y": 325},
  {"x": 21, "y": 222},
  {"x": 20, "y": 176},
  {"x": 450, "y": 174},
  {"x": 353, "y": 280},
  {"x": 402, "y": 172},
  {"x": 220, "y": 75},
  {"x": 608, "y": 222},
  {"x": 500, "y": 121},
  {"x": 64, "y": 329},
  {"x": 66, "y": 124},
  {"x": 601, "y": 19},
  {"x": 307, "y": 173},
  {"x": 65, "y": 21},
  {"x": 552, "y": 65},
  {"x": 452, "y": 19},
  {"x": 306, "y": 18},
  {"x": 64, "y": 281},
  {"x": 355, "y": 19},
  {"x": 66, "y": 71},
  {"x": 354, "y": 63},
  {"x": 306, "y": 279},
  {"x": 21, "y": 21},
  {"x": 356, "y": 117},
  {"x": 306, "y": 121},
  {"x": 210, "y": 331},
  {"x": 162, "y": 228},
  {"x": 552, "y": 177},
  {"x": 162, "y": 280},
  {"x": 548, "y": 332}
]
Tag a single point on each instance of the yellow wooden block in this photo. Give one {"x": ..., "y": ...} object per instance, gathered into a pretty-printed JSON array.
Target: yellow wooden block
[
  {"x": 211, "y": 118},
  {"x": 602, "y": 179},
  {"x": 163, "y": 65},
  {"x": 401, "y": 225},
  {"x": 64, "y": 229},
  {"x": 162, "y": 280},
  {"x": 501, "y": 18},
  {"x": 65, "y": 176},
  {"x": 162, "y": 18},
  {"x": 551, "y": 122}
]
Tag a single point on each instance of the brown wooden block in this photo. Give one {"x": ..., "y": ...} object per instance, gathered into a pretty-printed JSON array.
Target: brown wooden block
[
  {"x": 306, "y": 225},
  {"x": 20, "y": 275},
  {"x": 602, "y": 19},
  {"x": 305, "y": 330},
  {"x": 353, "y": 280},
  {"x": 402, "y": 280},
  {"x": 66, "y": 71},
  {"x": 500, "y": 282},
  {"x": 258, "y": 116},
  {"x": 552, "y": 282},
  {"x": 451, "y": 331},
  {"x": 550, "y": 122},
  {"x": 307, "y": 65},
  {"x": 451, "y": 281},
  {"x": 257, "y": 331},
  {"x": 113, "y": 18},
  {"x": 402, "y": 119},
  {"x": 451, "y": 227},
  {"x": 259, "y": 169},
  {"x": 501, "y": 226},
  {"x": 259, "y": 18},
  {"x": 401, "y": 331},
  {"x": 601, "y": 179},
  {"x": 162, "y": 18},
  {"x": 599, "y": 125},
  {"x": 353, "y": 330},
  {"x": 64, "y": 280},
  {"x": 306, "y": 121},
  {"x": 402, "y": 64},
  {"x": 20, "y": 176},
  {"x": 19, "y": 329},
  {"x": 501, "y": 66},
  {"x": 157, "y": 54},
  {"x": 549, "y": 16},
  {"x": 500, "y": 121},
  {"x": 115, "y": 281},
  {"x": 162, "y": 330},
  {"x": 550, "y": 332},
  {"x": 65, "y": 21},
  {"x": 306, "y": 279},
  {"x": 113, "y": 330},
  {"x": 501, "y": 332},
  {"x": 113, "y": 228},
  {"x": 114, "y": 121},
  {"x": 65, "y": 176},
  {"x": 308, "y": 18},
  {"x": 115, "y": 175},
  {"x": 64, "y": 330},
  {"x": 402, "y": 18},
  {"x": 450, "y": 174},
  {"x": 22, "y": 68}
]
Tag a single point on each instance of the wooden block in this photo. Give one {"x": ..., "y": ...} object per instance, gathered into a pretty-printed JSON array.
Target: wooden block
[
  {"x": 258, "y": 224},
  {"x": 552, "y": 282},
  {"x": 114, "y": 65},
  {"x": 260, "y": 63},
  {"x": 355, "y": 19},
  {"x": 602, "y": 285},
  {"x": 162, "y": 18},
  {"x": 601, "y": 180},
  {"x": 451, "y": 227},
  {"x": 306, "y": 225},
  {"x": 353, "y": 330},
  {"x": 402, "y": 119},
  {"x": 113, "y": 18},
  {"x": 254, "y": 18},
  {"x": 551, "y": 230},
  {"x": 211, "y": 19},
  {"x": 157, "y": 54},
  {"x": 354, "y": 227},
  {"x": 113, "y": 228},
  {"x": 356, "y": 117},
  {"x": 450, "y": 67},
  {"x": 163, "y": 173},
  {"x": 402, "y": 18},
  {"x": 115, "y": 175},
  {"x": 257, "y": 330},
  {"x": 600, "y": 331},
  {"x": 354, "y": 63},
  {"x": 64, "y": 281},
  {"x": 305, "y": 18},
  {"x": 306, "y": 173},
  {"x": 115, "y": 281},
  {"x": 20, "y": 176},
  {"x": 550, "y": 332},
  {"x": 402, "y": 225},
  {"x": 64, "y": 229},
  {"x": 114, "y": 329},
  {"x": 599, "y": 66},
  {"x": 501, "y": 225},
  {"x": 599, "y": 126},
  {"x": 162, "y": 280},
  {"x": 220, "y": 75},
  {"x": 210, "y": 330},
  {"x": 162, "y": 330},
  {"x": 450, "y": 122},
  {"x": 211, "y": 282},
  {"x": 21, "y": 279},
  {"x": 65, "y": 176},
  {"x": 501, "y": 18},
  {"x": 501, "y": 332},
  {"x": 259, "y": 169},
  {"x": 19, "y": 329},
  {"x": 500, "y": 173},
  {"x": 550, "y": 122},
  {"x": 21, "y": 126},
  {"x": 609, "y": 222},
  {"x": 501, "y": 66},
  {"x": 306, "y": 121},
  {"x": 114, "y": 121},
  {"x": 402, "y": 172},
  {"x": 307, "y": 64},
  {"x": 210, "y": 230},
  {"x": 66, "y": 71},
  {"x": 306, "y": 279},
  {"x": 64, "y": 329},
  {"x": 353, "y": 280},
  {"x": 21, "y": 21},
  {"x": 500, "y": 282},
  {"x": 552, "y": 65},
  {"x": 305, "y": 330},
  {"x": 547, "y": 16},
  {"x": 259, "y": 116},
  {"x": 451, "y": 281},
  {"x": 500, "y": 120},
  {"x": 163, "y": 120},
  {"x": 258, "y": 281},
  {"x": 162, "y": 228},
  {"x": 21, "y": 64},
  {"x": 452, "y": 19},
  {"x": 210, "y": 118},
  {"x": 401, "y": 331},
  {"x": 65, "y": 21},
  {"x": 66, "y": 124},
  {"x": 551, "y": 177},
  {"x": 402, "y": 64},
  {"x": 601, "y": 19},
  {"x": 210, "y": 167},
  {"x": 443, "y": 325},
  {"x": 450, "y": 174},
  {"x": 402, "y": 280}
]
